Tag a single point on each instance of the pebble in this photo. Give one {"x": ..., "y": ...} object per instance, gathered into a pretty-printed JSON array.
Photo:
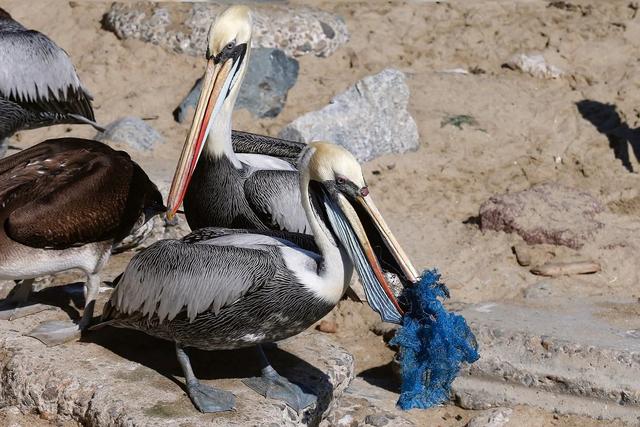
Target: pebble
[{"x": 327, "y": 326}]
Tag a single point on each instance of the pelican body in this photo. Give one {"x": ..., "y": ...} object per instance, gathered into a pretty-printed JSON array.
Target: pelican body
[
  {"x": 220, "y": 288},
  {"x": 39, "y": 85},
  {"x": 63, "y": 204},
  {"x": 255, "y": 189}
]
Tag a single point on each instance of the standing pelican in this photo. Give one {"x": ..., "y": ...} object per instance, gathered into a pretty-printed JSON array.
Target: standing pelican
[
  {"x": 226, "y": 289},
  {"x": 63, "y": 204},
  {"x": 219, "y": 186},
  {"x": 38, "y": 84}
]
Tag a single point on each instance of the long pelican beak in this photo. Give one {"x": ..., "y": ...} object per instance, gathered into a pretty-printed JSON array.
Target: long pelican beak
[
  {"x": 215, "y": 88},
  {"x": 362, "y": 231}
]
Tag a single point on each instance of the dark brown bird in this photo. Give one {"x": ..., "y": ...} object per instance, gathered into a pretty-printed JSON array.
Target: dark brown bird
[{"x": 63, "y": 204}]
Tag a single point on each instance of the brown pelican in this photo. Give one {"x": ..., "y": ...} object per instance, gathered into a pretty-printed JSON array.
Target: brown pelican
[
  {"x": 219, "y": 186},
  {"x": 63, "y": 204},
  {"x": 38, "y": 83},
  {"x": 225, "y": 289}
]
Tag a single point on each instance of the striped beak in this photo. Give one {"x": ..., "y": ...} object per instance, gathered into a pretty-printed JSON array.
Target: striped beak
[
  {"x": 215, "y": 88},
  {"x": 373, "y": 249}
]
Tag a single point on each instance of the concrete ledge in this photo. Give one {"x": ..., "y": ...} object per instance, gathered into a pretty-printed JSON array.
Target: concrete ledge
[
  {"x": 580, "y": 358},
  {"x": 124, "y": 378}
]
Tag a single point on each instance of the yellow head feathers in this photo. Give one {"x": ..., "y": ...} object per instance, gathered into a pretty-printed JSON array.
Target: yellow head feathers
[
  {"x": 325, "y": 161},
  {"x": 231, "y": 26}
]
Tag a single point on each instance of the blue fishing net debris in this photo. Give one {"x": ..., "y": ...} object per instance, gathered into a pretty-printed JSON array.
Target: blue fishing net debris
[{"x": 433, "y": 343}]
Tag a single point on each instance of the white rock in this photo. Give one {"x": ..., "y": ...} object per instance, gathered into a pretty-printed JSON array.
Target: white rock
[
  {"x": 534, "y": 65},
  {"x": 496, "y": 417},
  {"x": 369, "y": 119}
]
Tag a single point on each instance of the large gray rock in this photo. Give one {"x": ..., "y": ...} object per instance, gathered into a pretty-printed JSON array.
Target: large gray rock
[
  {"x": 131, "y": 131},
  {"x": 122, "y": 378},
  {"x": 545, "y": 213},
  {"x": 369, "y": 119},
  {"x": 264, "y": 90},
  {"x": 572, "y": 357},
  {"x": 184, "y": 27}
]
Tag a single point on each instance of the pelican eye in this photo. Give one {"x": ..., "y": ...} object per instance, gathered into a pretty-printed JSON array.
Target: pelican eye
[
  {"x": 230, "y": 46},
  {"x": 341, "y": 180}
]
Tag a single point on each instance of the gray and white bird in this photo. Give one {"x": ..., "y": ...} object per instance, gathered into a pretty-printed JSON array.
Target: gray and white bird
[
  {"x": 39, "y": 85},
  {"x": 63, "y": 204},
  {"x": 219, "y": 186},
  {"x": 221, "y": 288}
]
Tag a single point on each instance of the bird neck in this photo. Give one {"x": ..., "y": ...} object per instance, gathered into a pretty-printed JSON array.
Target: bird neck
[
  {"x": 336, "y": 265},
  {"x": 218, "y": 142}
]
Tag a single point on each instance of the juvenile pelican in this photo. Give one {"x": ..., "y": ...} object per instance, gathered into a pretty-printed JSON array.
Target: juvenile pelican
[
  {"x": 38, "y": 84},
  {"x": 226, "y": 289},
  {"x": 219, "y": 186},
  {"x": 63, "y": 204}
]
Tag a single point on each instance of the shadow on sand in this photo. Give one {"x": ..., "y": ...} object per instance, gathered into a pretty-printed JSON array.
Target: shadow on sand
[{"x": 608, "y": 122}]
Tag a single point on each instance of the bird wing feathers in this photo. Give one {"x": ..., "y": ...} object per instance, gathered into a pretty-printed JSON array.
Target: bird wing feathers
[
  {"x": 245, "y": 142},
  {"x": 35, "y": 71},
  {"x": 275, "y": 197},
  {"x": 69, "y": 192},
  {"x": 172, "y": 276},
  {"x": 303, "y": 241}
]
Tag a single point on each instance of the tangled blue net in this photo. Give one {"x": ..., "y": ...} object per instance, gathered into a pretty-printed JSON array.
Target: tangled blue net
[{"x": 433, "y": 343}]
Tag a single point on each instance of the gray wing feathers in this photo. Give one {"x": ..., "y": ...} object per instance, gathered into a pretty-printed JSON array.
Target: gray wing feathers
[
  {"x": 275, "y": 196},
  {"x": 171, "y": 277},
  {"x": 304, "y": 241},
  {"x": 245, "y": 142},
  {"x": 33, "y": 67}
]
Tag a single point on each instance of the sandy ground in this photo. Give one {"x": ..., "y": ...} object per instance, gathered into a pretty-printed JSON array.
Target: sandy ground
[{"x": 528, "y": 130}]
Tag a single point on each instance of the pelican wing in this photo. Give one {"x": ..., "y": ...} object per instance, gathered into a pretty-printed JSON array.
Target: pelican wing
[
  {"x": 251, "y": 143},
  {"x": 37, "y": 73},
  {"x": 68, "y": 192},
  {"x": 274, "y": 195},
  {"x": 303, "y": 241},
  {"x": 172, "y": 276}
]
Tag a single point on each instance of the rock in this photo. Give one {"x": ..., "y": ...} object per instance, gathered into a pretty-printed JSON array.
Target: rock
[
  {"x": 567, "y": 268},
  {"x": 534, "y": 65},
  {"x": 376, "y": 420},
  {"x": 567, "y": 356},
  {"x": 117, "y": 377},
  {"x": 131, "y": 131},
  {"x": 366, "y": 404},
  {"x": 497, "y": 417},
  {"x": 270, "y": 75},
  {"x": 369, "y": 119},
  {"x": 545, "y": 213},
  {"x": 264, "y": 90},
  {"x": 327, "y": 326},
  {"x": 184, "y": 27}
]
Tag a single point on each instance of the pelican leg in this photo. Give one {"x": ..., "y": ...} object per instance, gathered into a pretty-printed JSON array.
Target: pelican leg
[
  {"x": 57, "y": 332},
  {"x": 204, "y": 397},
  {"x": 15, "y": 306},
  {"x": 274, "y": 386}
]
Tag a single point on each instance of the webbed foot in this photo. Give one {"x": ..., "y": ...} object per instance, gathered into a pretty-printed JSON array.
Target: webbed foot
[
  {"x": 274, "y": 386},
  {"x": 56, "y": 332},
  {"x": 210, "y": 399}
]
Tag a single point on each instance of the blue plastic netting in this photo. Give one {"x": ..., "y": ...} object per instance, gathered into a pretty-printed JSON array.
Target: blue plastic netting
[{"x": 433, "y": 343}]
